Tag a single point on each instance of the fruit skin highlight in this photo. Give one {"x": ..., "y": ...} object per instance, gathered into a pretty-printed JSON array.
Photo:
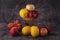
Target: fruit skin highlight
[
  {"x": 43, "y": 31},
  {"x": 14, "y": 31},
  {"x": 26, "y": 30},
  {"x": 34, "y": 31},
  {"x": 23, "y": 13}
]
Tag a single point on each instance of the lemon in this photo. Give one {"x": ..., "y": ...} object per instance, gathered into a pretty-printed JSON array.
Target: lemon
[
  {"x": 34, "y": 31},
  {"x": 23, "y": 13},
  {"x": 26, "y": 30}
]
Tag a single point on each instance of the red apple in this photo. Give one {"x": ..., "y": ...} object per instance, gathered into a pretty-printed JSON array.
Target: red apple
[
  {"x": 30, "y": 15},
  {"x": 16, "y": 22},
  {"x": 19, "y": 26},
  {"x": 35, "y": 14},
  {"x": 48, "y": 28},
  {"x": 43, "y": 31},
  {"x": 14, "y": 31},
  {"x": 10, "y": 25}
]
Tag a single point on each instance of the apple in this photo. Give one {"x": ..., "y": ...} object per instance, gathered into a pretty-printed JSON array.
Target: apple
[
  {"x": 35, "y": 14},
  {"x": 30, "y": 15},
  {"x": 16, "y": 22},
  {"x": 43, "y": 31},
  {"x": 19, "y": 26},
  {"x": 14, "y": 31},
  {"x": 48, "y": 28},
  {"x": 10, "y": 25}
]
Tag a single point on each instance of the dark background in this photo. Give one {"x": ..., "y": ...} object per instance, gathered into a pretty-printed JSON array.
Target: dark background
[{"x": 49, "y": 14}]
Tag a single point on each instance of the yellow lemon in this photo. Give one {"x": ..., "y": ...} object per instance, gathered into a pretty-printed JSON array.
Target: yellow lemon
[
  {"x": 23, "y": 13},
  {"x": 26, "y": 30},
  {"x": 34, "y": 31}
]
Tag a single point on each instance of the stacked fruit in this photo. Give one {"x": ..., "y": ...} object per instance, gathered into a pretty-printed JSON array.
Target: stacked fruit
[
  {"x": 14, "y": 27},
  {"x": 34, "y": 31},
  {"x": 28, "y": 13}
]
